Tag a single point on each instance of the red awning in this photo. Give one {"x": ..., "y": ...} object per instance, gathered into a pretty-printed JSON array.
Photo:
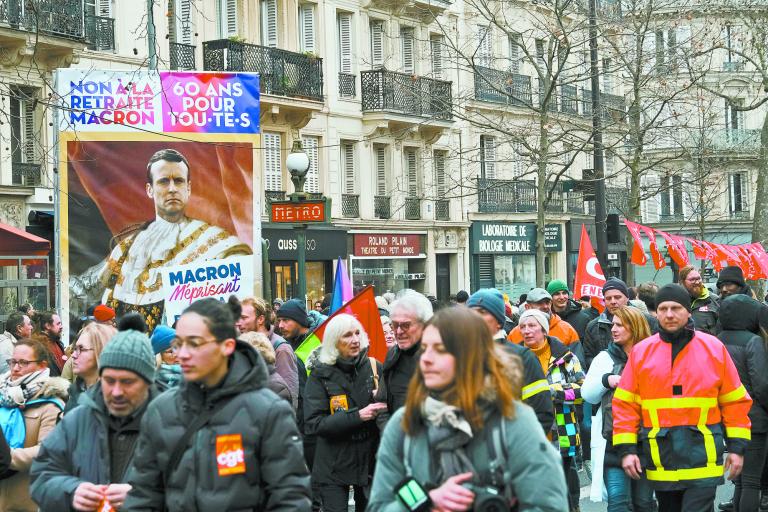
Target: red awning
[{"x": 15, "y": 242}]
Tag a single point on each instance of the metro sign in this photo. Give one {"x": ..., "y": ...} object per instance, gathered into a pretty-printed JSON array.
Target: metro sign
[{"x": 298, "y": 212}]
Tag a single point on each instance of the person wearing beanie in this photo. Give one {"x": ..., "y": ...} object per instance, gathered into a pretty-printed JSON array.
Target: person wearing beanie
[
  {"x": 568, "y": 309},
  {"x": 564, "y": 375},
  {"x": 488, "y": 302},
  {"x": 731, "y": 282},
  {"x": 168, "y": 368},
  {"x": 677, "y": 374},
  {"x": 597, "y": 335},
  {"x": 104, "y": 314},
  {"x": 84, "y": 462},
  {"x": 217, "y": 416}
]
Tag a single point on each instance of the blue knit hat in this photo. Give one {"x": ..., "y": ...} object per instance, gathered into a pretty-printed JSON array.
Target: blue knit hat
[
  {"x": 129, "y": 350},
  {"x": 162, "y": 337},
  {"x": 491, "y": 300}
]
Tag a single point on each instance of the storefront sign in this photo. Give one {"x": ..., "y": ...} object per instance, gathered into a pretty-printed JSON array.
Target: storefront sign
[
  {"x": 512, "y": 238},
  {"x": 387, "y": 245},
  {"x": 322, "y": 244},
  {"x": 306, "y": 211}
]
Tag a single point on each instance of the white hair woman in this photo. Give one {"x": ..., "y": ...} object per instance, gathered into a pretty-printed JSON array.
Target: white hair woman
[
  {"x": 263, "y": 346},
  {"x": 339, "y": 408}
]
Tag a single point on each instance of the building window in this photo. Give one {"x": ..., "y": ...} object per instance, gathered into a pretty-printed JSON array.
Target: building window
[
  {"x": 515, "y": 40},
  {"x": 541, "y": 56},
  {"x": 412, "y": 172},
  {"x": 518, "y": 160},
  {"x": 273, "y": 170},
  {"x": 737, "y": 192},
  {"x": 345, "y": 42},
  {"x": 24, "y": 142},
  {"x": 441, "y": 181},
  {"x": 268, "y": 22},
  {"x": 377, "y": 43},
  {"x": 407, "y": 38},
  {"x": 227, "y": 14},
  {"x": 436, "y": 46},
  {"x": 607, "y": 77},
  {"x": 485, "y": 48},
  {"x": 672, "y": 196},
  {"x": 734, "y": 119},
  {"x": 348, "y": 166},
  {"x": 307, "y": 28},
  {"x": 311, "y": 145},
  {"x": 179, "y": 23},
  {"x": 380, "y": 160},
  {"x": 488, "y": 157}
]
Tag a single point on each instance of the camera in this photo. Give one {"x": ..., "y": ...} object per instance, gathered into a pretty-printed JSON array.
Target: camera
[{"x": 488, "y": 499}]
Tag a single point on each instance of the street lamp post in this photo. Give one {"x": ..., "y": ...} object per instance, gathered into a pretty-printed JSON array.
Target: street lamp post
[{"x": 297, "y": 163}]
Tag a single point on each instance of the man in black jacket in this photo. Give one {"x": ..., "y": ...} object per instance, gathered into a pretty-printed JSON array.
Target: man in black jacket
[
  {"x": 704, "y": 306},
  {"x": 489, "y": 302},
  {"x": 568, "y": 309},
  {"x": 731, "y": 282},
  {"x": 409, "y": 312}
]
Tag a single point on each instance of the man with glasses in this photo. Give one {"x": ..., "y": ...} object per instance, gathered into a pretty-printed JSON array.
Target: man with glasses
[
  {"x": 705, "y": 307},
  {"x": 409, "y": 312},
  {"x": 83, "y": 464},
  {"x": 18, "y": 326}
]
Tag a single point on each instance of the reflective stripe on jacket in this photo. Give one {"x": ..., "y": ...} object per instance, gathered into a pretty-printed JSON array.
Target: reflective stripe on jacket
[{"x": 681, "y": 410}]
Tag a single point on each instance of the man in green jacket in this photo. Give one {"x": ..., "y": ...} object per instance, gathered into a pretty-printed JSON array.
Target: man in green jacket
[{"x": 235, "y": 443}]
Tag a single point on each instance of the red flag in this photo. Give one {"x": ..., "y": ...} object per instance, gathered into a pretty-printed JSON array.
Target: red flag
[
  {"x": 363, "y": 307},
  {"x": 638, "y": 253},
  {"x": 700, "y": 250},
  {"x": 676, "y": 248},
  {"x": 658, "y": 259},
  {"x": 760, "y": 258},
  {"x": 589, "y": 278}
]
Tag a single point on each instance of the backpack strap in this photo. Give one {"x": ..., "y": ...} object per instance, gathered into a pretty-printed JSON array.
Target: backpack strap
[{"x": 375, "y": 372}]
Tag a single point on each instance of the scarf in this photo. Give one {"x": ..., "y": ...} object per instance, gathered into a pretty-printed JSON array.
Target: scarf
[
  {"x": 448, "y": 434},
  {"x": 15, "y": 393}
]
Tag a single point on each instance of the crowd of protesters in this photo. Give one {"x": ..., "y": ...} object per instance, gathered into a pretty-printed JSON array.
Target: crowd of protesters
[{"x": 482, "y": 404}]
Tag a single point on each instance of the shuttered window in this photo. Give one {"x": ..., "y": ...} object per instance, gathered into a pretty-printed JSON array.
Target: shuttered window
[
  {"x": 377, "y": 43},
  {"x": 514, "y": 53},
  {"x": 518, "y": 160},
  {"x": 737, "y": 192},
  {"x": 269, "y": 23},
  {"x": 380, "y": 160},
  {"x": 412, "y": 173},
  {"x": 436, "y": 46},
  {"x": 488, "y": 157},
  {"x": 180, "y": 21},
  {"x": 407, "y": 38},
  {"x": 345, "y": 42},
  {"x": 485, "y": 271},
  {"x": 273, "y": 174},
  {"x": 441, "y": 184},
  {"x": 24, "y": 143},
  {"x": 541, "y": 57},
  {"x": 227, "y": 13},
  {"x": 348, "y": 166},
  {"x": 311, "y": 148},
  {"x": 485, "y": 49},
  {"x": 307, "y": 27}
]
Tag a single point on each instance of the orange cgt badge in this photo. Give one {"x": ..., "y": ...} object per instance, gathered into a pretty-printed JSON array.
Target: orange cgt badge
[{"x": 229, "y": 454}]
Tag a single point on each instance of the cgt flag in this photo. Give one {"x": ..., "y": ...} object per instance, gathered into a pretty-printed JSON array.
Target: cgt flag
[
  {"x": 363, "y": 307},
  {"x": 589, "y": 278}
]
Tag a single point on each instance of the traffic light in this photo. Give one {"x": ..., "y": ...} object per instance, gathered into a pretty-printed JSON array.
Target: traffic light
[{"x": 612, "y": 228}]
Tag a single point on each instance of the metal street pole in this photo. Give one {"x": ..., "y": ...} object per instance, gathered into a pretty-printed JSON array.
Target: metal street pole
[
  {"x": 151, "y": 35},
  {"x": 301, "y": 239},
  {"x": 597, "y": 141}
]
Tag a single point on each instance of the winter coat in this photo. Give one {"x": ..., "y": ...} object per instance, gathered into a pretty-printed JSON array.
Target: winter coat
[
  {"x": 757, "y": 381},
  {"x": 168, "y": 376},
  {"x": 557, "y": 328},
  {"x": 76, "y": 389},
  {"x": 535, "y": 392},
  {"x": 40, "y": 420},
  {"x": 285, "y": 363},
  {"x": 565, "y": 377},
  {"x": 739, "y": 324},
  {"x": 534, "y": 467},
  {"x": 705, "y": 312},
  {"x": 396, "y": 373},
  {"x": 598, "y": 336},
  {"x": 5, "y": 456},
  {"x": 65, "y": 461},
  {"x": 578, "y": 317},
  {"x": 279, "y": 387},
  {"x": 333, "y": 398},
  {"x": 252, "y": 421}
]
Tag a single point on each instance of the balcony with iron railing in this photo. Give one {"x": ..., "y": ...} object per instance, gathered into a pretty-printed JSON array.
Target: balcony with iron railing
[
  {"x": 613, "y": 106},
  {"x": 26, "y": 174},
  {"x": 671, "y": 218},
  {"x": 347, "y": 85},
  {"x": 100, "y": 33},
  {"x": 739, "y": 215},
  {"x": 381, "y": 207},
  {"x": 282, "y": 73},
  {"x": 56, "y": 18},
  {"x": 733, "y": 67},
  {"x": 504, "y": 87},
  {"x": 413, "y": 208},
  {"x": 616, "y": 200},
  {"x": 350, "y": 206},
  {"x": 405, "y": 94},
  {"x": 443, "y": 209},
  {"x": 182, "y": 56},
  {"x": 272, "y": 195},
  {"x": 510, "y": 196}
]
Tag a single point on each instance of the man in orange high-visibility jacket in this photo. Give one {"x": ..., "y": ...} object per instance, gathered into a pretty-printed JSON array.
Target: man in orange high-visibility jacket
[{"x": 680, "y": 394}]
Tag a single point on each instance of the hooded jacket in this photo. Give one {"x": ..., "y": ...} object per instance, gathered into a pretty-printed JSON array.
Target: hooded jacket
[
  {"x": 346, "y": 444},
  {"x": 757, "y": 380},
  {"x": 40, "y": 420},
  {"x": 705, "y": 311},
  {"x": 253, "y": 423},
  {"x": 65, "y": 461}
]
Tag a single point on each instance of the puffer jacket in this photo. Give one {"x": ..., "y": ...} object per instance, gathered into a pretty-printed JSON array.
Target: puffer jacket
[
  {"x": 40, "y": 420},
  {"x": 533, "y": 466},
  {"x": 253, "y": 423},
  {"x": 739, "y": 322},
  {"x": 65, "y": 461},
  {"x": 334, "y": 396},
  {"x": 757, "y": 377}
]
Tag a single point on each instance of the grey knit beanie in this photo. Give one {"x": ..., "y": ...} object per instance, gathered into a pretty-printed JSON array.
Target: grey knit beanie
[{"x": 129, "y": 350}]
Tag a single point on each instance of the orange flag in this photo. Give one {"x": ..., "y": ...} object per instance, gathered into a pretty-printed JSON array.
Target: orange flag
[{"x": 589, "y": 278}]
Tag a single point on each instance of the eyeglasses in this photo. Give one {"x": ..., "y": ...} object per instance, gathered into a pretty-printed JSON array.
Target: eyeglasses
[
  {"x": 23, "y": 363},
  {"x": 694, "y": 279},
  {"x": 193, "y": 343},
  {"x": 79, "y": 350},
  {"x": 405, "y": 326}
]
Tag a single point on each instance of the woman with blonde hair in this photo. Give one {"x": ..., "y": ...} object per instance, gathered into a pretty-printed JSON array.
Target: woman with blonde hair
[
  {"x": 464, "y": 440},
  {"x": 629, "y": 328},
  {"x": 85, "y": 356},
  {"x": 339, "y": 409},
  {"x": 276, "y": 383}
]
